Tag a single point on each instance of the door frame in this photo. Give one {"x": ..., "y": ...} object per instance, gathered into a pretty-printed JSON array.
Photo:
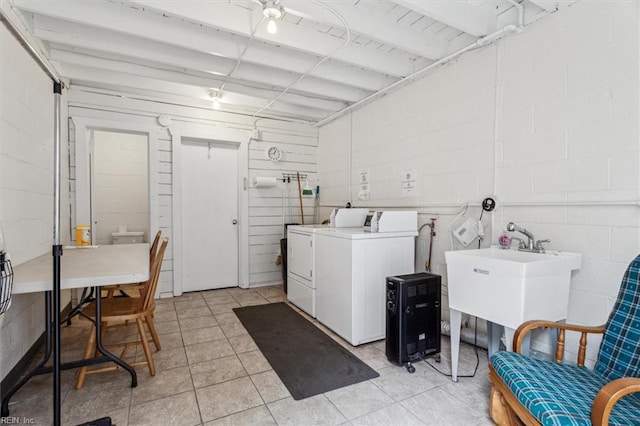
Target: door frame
[
  {"x": 83, "y": 171},
  {"x": 220, "y": 135}
]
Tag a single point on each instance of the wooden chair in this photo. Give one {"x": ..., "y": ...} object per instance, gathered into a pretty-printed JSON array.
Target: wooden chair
[
  {"x": 127, "y": 289},
  {"x": 122, "y": 310},
  {"x": 535, "y": 391}
]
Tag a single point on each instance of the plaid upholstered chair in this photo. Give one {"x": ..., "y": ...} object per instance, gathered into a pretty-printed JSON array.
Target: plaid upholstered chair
[{"x": 536, "y": 391}]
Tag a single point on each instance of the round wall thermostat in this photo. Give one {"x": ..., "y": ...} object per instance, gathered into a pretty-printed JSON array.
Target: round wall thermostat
[{"x": 274, "y": 153}]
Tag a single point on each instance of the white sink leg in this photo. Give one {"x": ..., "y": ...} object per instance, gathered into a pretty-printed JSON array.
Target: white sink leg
[
  {"x": 526, "y": 342},
  {"x": 455, "y": 317},
  {"x": 508, "y": 336},
  {"x": 494, "y": 333}
]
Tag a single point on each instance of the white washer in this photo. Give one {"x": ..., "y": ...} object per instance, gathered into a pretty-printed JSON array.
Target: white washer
[{"x": 351, "y": 266}]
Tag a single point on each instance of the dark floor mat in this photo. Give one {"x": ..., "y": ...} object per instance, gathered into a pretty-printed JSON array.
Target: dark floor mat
[{"x": 307, "y": 361}]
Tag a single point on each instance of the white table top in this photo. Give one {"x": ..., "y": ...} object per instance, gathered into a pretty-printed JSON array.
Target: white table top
[{"x": 85, "y": 267}]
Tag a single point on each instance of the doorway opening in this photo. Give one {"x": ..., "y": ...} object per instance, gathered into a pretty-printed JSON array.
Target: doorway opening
[{"x": 119, "y": 187}]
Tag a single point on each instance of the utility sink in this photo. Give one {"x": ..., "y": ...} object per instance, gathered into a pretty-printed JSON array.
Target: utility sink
[{"x": 508, "y": 287}]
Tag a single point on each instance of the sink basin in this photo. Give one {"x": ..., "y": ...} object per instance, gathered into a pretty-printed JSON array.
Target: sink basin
[
  {"x": 501, "y": 262},
  {"x": 508, "y": 287}
]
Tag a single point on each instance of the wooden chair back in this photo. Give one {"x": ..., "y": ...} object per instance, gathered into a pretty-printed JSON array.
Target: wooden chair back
[
  {"x": 148, "y": 291},
  {"x": 153, "y": 251}
]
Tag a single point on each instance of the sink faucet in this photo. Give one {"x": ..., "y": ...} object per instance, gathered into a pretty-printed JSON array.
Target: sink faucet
[{"x": 531, "y": 245}]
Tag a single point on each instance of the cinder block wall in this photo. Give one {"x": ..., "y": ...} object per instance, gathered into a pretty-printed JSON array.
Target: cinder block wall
[
  {"x": 545, "y": 121},
  {"x": 26, "y": 186}
]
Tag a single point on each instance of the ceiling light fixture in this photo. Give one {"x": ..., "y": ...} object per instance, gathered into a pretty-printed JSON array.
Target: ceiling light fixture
[
  {"x": 272, "y": 11},
  {"x": 215, "y": 96}
]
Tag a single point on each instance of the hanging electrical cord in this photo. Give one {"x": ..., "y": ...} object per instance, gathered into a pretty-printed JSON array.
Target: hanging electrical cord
[
  {"x": 475, "y": 369},
  {"x": 488, "y": 204},
  {"x": 317, "y": 64},
  {"x": 450, "y": 230},
  {"x": 253, "y": 33}
]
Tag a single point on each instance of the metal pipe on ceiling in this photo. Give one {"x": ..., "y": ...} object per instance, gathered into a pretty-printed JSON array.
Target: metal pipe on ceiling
[
  {"x": 511, "y": 28},
  {"x": 43, "y": 63}
]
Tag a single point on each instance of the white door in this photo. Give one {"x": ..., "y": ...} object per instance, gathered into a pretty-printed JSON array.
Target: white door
[{"x": 209, "y": 215}]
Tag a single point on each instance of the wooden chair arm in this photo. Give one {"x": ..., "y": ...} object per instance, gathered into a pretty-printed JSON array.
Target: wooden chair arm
[
  {"x": 609, "y": 395},
  {"x": 527, "y": 326}
]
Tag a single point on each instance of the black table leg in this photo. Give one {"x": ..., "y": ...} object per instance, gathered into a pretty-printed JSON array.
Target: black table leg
[
  {"x": 40, "y": 368},
  {"x": 47, "y": 354},
  {"x": 76, "y": 310},
  {"x": 101, "y": 348}
]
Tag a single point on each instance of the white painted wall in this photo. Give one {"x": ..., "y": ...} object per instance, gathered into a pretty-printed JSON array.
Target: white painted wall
[
  {"x": 26, "y": 186},
  {"x": 546, "y": 121},
  {"x": 121, "y": 184},
  {"x": 298, "y": 141},
  {"x": 269, "y": 208}
]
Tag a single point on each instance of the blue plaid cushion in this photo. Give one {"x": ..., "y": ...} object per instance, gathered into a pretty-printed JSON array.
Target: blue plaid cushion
[
  {"x": 559, "y": 394},
  {"x": 619, "y": 354}
]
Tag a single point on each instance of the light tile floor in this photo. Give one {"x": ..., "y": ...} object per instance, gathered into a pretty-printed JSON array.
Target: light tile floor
[{"x": 210, "y": 372}]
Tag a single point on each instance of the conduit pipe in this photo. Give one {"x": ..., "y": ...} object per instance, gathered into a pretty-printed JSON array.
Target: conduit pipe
[
  {"x": 483, "y": 41},
  {"x": 458, "y": 207},
  {"x": 46, "y": 67},
  {"x": 520, "y": 12},
  {"x": 241, "y": 57},
  {"x": 613, "y": 203}
]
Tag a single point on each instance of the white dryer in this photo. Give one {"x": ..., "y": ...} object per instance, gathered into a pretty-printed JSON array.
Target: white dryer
[{"x": 301, "y": 287}]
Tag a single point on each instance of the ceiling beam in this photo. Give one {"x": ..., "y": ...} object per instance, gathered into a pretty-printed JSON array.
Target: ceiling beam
[
  {"x": 197, "y": 78},
  {"x": 113, "y": 80},
  {"x": 377, "y": 27},
  {"x": 233, "y": 18},
  {"x": 548, "y": 5},
  {"x": 203, "y": 84},
  {"x": 131, "y": 49},
  {"x": 153, "y": 26},
  {"x": 461, "y": 15}
]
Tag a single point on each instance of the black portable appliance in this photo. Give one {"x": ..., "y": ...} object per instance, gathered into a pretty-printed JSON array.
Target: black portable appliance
[{"x": 413, "y": 318}]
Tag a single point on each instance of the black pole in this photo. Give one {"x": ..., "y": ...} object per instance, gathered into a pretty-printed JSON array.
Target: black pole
[{"x": 56, "y": 253}]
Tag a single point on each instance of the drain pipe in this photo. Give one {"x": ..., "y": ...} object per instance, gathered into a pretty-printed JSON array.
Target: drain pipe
[
  {"x": 467, "y": 334},
  {"x": 511, "y": 28}
]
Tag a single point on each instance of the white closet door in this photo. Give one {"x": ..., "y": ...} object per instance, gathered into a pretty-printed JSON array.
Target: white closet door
[{"x": 209, "y": 215}]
